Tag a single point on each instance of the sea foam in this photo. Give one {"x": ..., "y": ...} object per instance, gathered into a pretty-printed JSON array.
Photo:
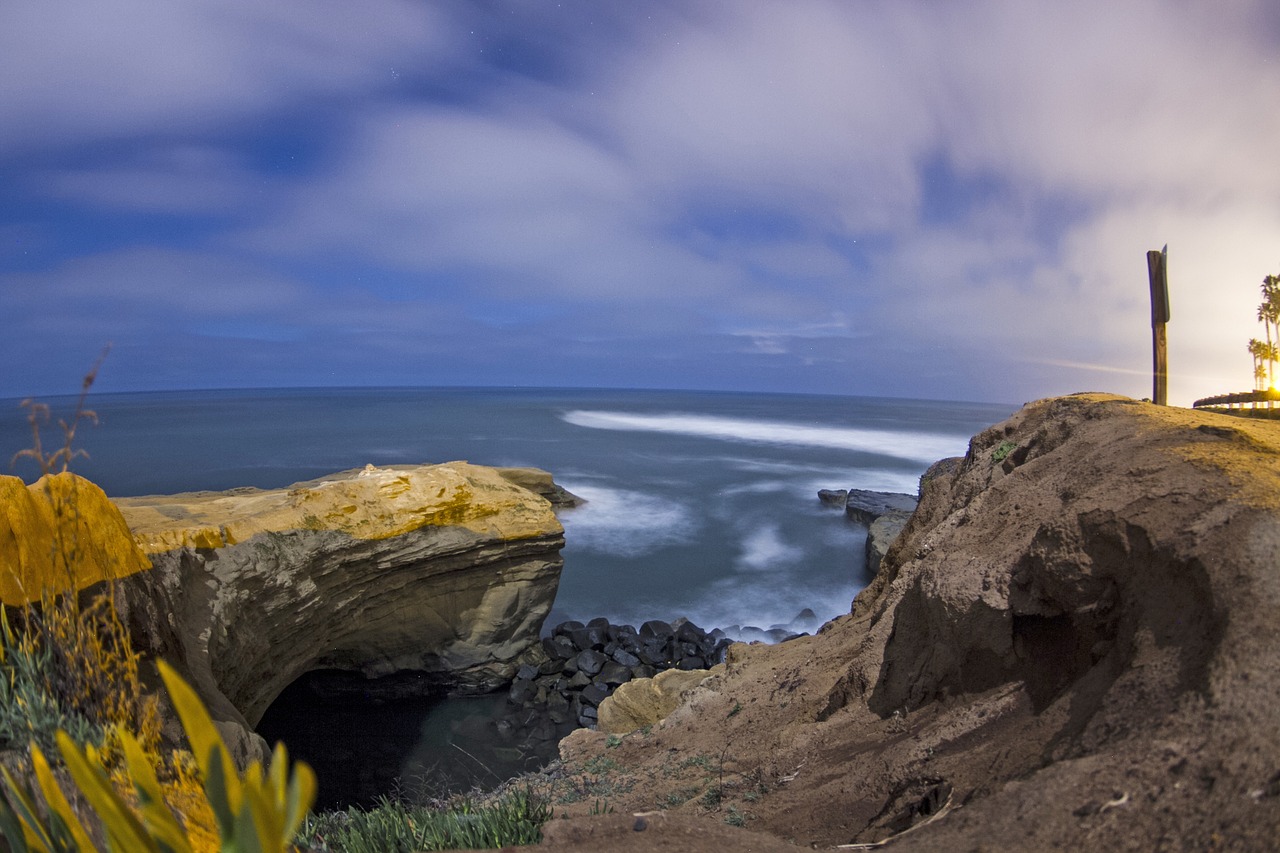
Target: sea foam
[
  {"x": 623, "y": 522},
  {"x": 920, "y": 447}
]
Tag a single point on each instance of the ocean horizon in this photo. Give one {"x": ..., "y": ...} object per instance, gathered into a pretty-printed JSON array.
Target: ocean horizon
[{"x": 700, "y": 505}]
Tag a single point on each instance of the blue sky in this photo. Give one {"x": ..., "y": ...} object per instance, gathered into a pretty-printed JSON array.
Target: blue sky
[{"x": 942, "y": 200}]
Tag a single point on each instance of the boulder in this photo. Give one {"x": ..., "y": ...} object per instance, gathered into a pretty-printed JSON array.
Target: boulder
[
  {"x": 445, "y": 570},
  {"x": 644, "y": 701},
  {"x": 833, "y": 497}
]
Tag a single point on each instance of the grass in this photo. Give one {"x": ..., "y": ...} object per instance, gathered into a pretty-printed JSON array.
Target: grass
[{"x": 392, "y": 826}]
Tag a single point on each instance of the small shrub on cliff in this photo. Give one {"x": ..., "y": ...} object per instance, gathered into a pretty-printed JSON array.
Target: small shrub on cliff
[{"x": 70, "y": 665}]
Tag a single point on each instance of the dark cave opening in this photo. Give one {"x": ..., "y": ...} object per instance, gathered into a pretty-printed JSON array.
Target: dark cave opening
[{"x": 369, "y": 740}]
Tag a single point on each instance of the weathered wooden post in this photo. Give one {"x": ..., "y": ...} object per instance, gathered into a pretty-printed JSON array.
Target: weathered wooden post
[{"x": 1157, "y": 267}]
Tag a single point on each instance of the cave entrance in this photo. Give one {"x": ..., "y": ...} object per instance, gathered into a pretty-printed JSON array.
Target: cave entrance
[{"x": 367, "y": 740}]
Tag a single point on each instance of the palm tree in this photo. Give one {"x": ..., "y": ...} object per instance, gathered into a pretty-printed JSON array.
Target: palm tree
[
  {"x": 1269, "y": 316},
  {"x": 1259, "y": 372}
]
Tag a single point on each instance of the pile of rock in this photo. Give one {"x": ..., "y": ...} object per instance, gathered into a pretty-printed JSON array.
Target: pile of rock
[{"x": 586, "y": 662}]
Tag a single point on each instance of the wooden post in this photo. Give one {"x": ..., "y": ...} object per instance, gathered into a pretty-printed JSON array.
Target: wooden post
[{"x": 1157, "y": 267}]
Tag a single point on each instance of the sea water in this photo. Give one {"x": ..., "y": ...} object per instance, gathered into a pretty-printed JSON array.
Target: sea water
[{"x": 701, "y": 505}]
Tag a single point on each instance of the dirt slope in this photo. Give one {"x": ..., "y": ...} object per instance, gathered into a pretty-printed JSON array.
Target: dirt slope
[{"x": 1074, "y": 645}]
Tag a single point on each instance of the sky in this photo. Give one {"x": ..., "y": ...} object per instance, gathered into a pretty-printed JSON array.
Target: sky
[{"x": 902, "y": 198}]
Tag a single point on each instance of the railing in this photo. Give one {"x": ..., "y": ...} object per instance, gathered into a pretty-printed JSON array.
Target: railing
[{"x": 1243, "y": 398}]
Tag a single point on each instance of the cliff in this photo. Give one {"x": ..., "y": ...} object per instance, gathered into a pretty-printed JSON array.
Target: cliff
[
  {"x": 1072, "y": 645},
  {"x": 443, "y": 570}
]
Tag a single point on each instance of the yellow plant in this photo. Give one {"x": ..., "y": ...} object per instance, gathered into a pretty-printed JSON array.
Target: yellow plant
[{"x": 257, "y": 811}]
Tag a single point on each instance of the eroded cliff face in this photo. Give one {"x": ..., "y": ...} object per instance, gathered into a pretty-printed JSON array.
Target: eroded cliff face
[
  {"x": 1073, "y": 645},
  {"x": 445, "y": 570}
]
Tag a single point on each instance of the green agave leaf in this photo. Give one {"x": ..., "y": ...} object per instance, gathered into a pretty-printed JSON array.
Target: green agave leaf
[
  {"x": 196, "y": 721},
  {"x": 215, "y": 786},
  {"x": 34, "y": 832},
  {"x": 57, "y": 801},
  {"x": 124, "y": 831},
  {"x": 246, "y": 838},
  {"x": 301, "y": 797}
]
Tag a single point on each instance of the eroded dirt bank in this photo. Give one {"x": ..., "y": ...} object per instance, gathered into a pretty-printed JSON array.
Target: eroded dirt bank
[{"x": 1073, "y": 645}]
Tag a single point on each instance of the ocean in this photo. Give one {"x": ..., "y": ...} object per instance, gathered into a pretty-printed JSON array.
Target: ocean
[{"x": 701, "y": 505}]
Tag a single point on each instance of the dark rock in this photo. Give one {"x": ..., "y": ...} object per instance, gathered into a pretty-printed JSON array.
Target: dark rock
[
  {"x": 643, "y": 671},
  {"x": 588, "y": 637},
  {"x": 521, "y": 691},
  {"x": 691, "y": 662},
  {"x": 579, "y": 681},
  {"x": 623, "y": 633},
  {"x": 614, "y": 674},
  {"x": 625, "y": 658},
  {"x": 527, "y": 672},
  {"x": 656, "y": 628},
  {"x": 590, "y": 661},
  {"x": 691, "y": 633},
  {"x": 565, "y": 627},
  {"x": 833, "y": 497},
  {"x": 653, "y": 653},
  {"x": 599, "y": 622},
  {"x": 559, "y": 647},
  {"x": 550, "y": 666},
  {"x": 593, "y": 694},
  {"x": 865, "y": 506}
]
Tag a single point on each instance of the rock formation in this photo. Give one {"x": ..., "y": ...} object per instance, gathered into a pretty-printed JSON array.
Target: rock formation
[
  {"x": 58, "y": 519},
  {"x": 884, "y": 513},
  {"x": 1073, "y": 645},
  {"x": 446, "y": 571}
]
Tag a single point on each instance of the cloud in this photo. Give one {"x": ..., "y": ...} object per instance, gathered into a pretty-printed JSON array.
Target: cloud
[
  {"x": 950, "y": 200},
  {"x": 71, "y": 73}
]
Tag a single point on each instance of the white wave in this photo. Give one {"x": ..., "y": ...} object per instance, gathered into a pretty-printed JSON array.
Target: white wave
[
  {"x": 733, "y": 606},
  {"x": 624, "y": 523},
  {"x": 869, "y": 479},
  {"x": 764, "y": 549},
  {"x": 912, "y": 446},
  {"x": 763, "y": 487}
]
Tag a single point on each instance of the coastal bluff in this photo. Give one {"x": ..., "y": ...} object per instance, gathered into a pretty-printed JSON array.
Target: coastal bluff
[
  {"x": 440, "y": 575},
  {"x": 1073, "y": 644}
]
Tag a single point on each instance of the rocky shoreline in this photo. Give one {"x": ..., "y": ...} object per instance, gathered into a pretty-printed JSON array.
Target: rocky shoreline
[{"x": 584, "y": 663}]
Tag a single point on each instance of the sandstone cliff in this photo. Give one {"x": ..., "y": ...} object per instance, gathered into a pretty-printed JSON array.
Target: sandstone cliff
[
  {"x": 1073, "y": 645},
  {"x": 58, "y": 522},
  {"x": 445, "y": 570}
]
